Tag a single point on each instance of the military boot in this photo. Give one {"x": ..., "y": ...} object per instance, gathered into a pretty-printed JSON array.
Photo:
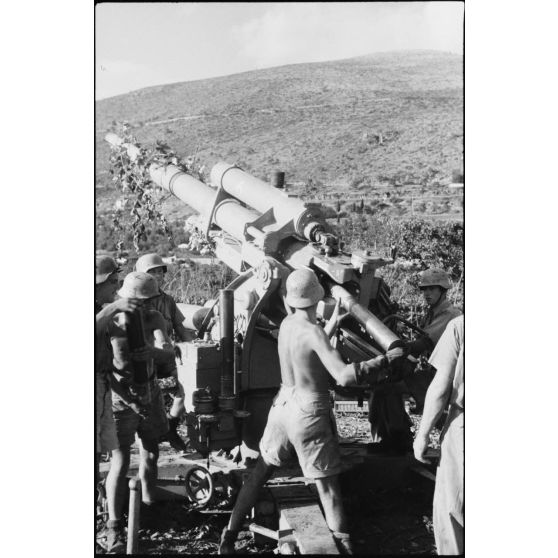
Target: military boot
[
  {"x": 116, "y": 538},
  {"x": 228, "y": 538},
  {"x": 343, "y": 542}
]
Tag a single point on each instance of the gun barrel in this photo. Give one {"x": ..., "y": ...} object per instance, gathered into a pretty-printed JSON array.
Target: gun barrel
[
  {"x": 374, "y": 327},
  {"x": 229, "y": 215},
  {"x": 262, "y": 196},
  {"x": 191, "y": 191}
]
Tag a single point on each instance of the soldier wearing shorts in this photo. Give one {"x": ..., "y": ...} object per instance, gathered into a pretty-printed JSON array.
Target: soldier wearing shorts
[
  {"x": 301, "y": 422},
  {"x": 106, "y": 284},
  {"x": 166, "y": 305},
  {"x": 132, "y": 416}
]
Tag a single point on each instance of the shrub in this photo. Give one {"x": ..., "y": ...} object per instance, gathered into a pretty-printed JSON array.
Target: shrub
[
  {"x": 155, "y": 240},
  {"x": 196, "y": 284}
]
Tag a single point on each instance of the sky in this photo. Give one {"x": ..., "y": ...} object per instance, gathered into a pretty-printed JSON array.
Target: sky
[{"x": 142, "y": 44}]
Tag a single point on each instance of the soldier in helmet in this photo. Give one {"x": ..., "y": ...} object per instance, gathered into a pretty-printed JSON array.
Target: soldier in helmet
[
  {"x": 106, "y": 285},
  {"x": 389, "y": 423},
  {"x": 301, "y": 421},
  {"x": 166, "y": 305},
  {"x": 434, "y": 284},
  {"x": 133, "y": 416}
]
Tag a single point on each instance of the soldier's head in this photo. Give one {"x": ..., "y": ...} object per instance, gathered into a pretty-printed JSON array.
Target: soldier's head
[
  {"x": 139, "y": 285},
  {"x": 434, "y": 284},
  {"x": 154, "y": 265},
  {"x": 303, "y": 289},
  {"x": 106, "y": 279}
]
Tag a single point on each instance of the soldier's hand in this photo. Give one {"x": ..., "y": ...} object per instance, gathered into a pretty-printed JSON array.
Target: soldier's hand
[
  {"x": 335, "y": 314},
  {"x": 424, "y": 367},
  {"x": 395, "y": 354},
  {"x": 142, "y": 354},
  {"x": 374, "y": 370},
  {"x": 127, "y": 304},
  {"x": 420, "y": 445},
  {"x": 338, "y": 315},
  {"x": 141, "y": 410}
]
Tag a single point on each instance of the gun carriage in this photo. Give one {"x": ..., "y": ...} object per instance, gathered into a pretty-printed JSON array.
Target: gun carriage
[{"x": 231, "y": 371}]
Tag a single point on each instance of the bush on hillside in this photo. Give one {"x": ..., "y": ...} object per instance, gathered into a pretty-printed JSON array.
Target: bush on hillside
[
  {"x": 108, "y": 237},
  {"x": 196, "y": 284}
]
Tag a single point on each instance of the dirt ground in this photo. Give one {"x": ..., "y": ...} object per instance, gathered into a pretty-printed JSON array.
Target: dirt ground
[{"x": 394, "y": 519}]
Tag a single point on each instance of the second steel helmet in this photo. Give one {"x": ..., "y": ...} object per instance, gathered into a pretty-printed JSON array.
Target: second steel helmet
[
  {"x": 104, "y": 267},
  {"x": 150, "y": 261},
  {"x": 139, "y": 285},
  {"x": 434, "y": 277},
  {"x": 303, "y": 289}
]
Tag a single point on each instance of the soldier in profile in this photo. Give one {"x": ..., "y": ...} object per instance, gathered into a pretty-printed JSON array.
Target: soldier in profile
[{"x": 390, "y": 425}]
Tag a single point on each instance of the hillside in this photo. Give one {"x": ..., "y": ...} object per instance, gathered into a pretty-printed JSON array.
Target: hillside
[{"x": 391, "y": 120}]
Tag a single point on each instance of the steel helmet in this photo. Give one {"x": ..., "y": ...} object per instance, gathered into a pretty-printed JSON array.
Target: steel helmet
[
  {"x": 139, "y": 285},
  {"x": 104, "y": 266},
  {"x": 303, "y": 289},
  {"x": 149, "y": 261},
  {"x": 434, "y": 277}
]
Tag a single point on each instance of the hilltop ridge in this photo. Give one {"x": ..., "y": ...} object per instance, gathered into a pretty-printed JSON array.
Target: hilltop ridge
[{"x": 381, "y": 119}]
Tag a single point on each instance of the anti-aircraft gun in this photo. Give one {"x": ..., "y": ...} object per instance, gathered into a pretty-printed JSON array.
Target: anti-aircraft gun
[{"x": 231, "y": 372}]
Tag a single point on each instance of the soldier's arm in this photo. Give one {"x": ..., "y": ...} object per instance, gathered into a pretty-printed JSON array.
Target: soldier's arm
[
  {"x": 162, "y": 350},
  {"x": 105, "y": 315},
  {"x": 182, "y": 333},
  {"x": 444, "y": 359},
  {"x": 343, "y": 374},
  {"x": 367, "y": 372},
  {"x": 333, "y": 322}
]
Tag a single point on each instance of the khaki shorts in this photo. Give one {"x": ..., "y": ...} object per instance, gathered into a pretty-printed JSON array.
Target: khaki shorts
[
  {"x": 302, "y": 425},
  {"x": 128, "y": 422},
  {"x": 105, "y": 428}
]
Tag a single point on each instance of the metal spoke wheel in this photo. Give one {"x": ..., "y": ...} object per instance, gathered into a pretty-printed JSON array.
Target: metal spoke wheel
[{"x": 199, "y": 486}]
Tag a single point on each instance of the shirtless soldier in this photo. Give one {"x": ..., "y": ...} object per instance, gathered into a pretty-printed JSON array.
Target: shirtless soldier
[{"x": 301, "y": 419}]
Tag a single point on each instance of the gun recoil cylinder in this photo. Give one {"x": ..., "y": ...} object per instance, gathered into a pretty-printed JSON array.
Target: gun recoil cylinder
[
  {"x": 373, "y": 326},
  {"x": 263, "y": 197}
]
